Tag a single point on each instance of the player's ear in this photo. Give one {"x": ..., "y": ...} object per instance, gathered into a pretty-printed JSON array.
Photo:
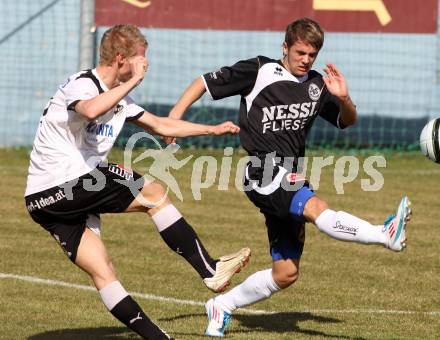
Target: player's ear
[
  {"x": 120, "y": 58},
  {"x": 285, "y": 49}
]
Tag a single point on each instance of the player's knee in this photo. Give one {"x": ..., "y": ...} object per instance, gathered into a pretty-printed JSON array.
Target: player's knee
[
  {"x": 112, "y": 268},
  {"x": 314, "y": 207},
  {"x": 107, "y": 271},
  {"x": 154, "y": 194},
  {"x": 286, "y": 278},
  {"x": 105, "y": 274}
]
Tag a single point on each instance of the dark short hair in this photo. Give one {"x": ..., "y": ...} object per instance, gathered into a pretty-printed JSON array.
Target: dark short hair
[{"x": 306, "y": 30}]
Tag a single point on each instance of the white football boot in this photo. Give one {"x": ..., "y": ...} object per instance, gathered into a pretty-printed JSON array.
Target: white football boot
[
  {"x": 218, "y": 319},
  {"x": 395, "y": 225},
  {"x": 225, "y": 268}
]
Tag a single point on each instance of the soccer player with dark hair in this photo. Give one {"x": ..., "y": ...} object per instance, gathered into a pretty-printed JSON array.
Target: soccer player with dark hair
[
  {"x": 280, "y": 99},
  {"x": 70, "y": 183}
]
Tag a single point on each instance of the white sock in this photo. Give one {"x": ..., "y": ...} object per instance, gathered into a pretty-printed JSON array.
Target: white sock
[
  {"x": 112, "y": 294},
  {"x": 346, "y": 227},
  {"x": 166, "y": 217},
  {"x": 257, "y": 287}
]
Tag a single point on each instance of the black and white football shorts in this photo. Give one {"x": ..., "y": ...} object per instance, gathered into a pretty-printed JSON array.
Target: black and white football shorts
[
  {"x": 66, "y": 210},
  {"x": 281, "y": 196}
]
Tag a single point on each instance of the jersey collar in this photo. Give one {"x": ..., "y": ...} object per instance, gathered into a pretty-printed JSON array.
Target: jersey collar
[
  {"x": 300, "y": 79},
  {"x": 104, "y": 87}
]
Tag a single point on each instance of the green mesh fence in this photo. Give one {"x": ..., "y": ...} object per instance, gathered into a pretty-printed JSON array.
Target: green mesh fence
[
  {"x": 373, "y": 132},
  {"x": 393, "y": 104},
  {"x": 39, "y": 40},
  {"x": 396, "y": 90}
]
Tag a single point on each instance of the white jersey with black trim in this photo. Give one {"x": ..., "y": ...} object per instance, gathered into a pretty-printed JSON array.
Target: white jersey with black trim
[
  {"x": 277, "y": 109},
  {"x": 67, "y": 145}
]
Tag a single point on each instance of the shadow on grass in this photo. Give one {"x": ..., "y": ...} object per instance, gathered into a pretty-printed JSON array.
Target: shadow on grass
[
  {"x": 288, "y": 322},
  {"x": 106, "y": 333},
  {"x": 276, "y": 323}
]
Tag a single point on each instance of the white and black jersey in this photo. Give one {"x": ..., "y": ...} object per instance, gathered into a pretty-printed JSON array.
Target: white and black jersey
[
  {"x": 277, "y": 109},
  {"x": 67, "y": 145}
]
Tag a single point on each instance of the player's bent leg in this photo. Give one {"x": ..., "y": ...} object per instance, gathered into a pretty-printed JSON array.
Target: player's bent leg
[
  {"x": 285, "y": 272},
  {"x": 341, "y": 225},
  {"x": 92, "y": 257},
  {"x": 346, "y": 227},
  {"x": 218, "y": 319},
  {"x": 257, "y": 287},
  {"x": 182, "y": 239},
  {"x": 150, "y": 199},
  {"x": 313, "y": 208}
]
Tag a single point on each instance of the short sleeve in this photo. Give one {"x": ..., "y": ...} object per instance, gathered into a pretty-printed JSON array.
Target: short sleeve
[
  {"x": 238, "y": 79},
  {"x": 329, "y": 109},
  {"x": 78, "y": 89},
  {"x": 132, "y": 110}
]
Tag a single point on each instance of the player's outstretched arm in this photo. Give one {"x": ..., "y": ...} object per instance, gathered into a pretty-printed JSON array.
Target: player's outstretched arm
[
  {"x": 192, "y": 93},
  {"x": 99, "y": 105},
  {"x": 337, "y": 86},
  {"x": 166, "y": 126}
]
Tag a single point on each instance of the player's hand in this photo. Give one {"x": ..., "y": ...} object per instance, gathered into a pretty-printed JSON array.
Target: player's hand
[
  {"x": 169, "y": 140},
  {"x": 335, "y": 82},
  {"x": 224, "y": 128},
  {"x": 138, "y": 67}
]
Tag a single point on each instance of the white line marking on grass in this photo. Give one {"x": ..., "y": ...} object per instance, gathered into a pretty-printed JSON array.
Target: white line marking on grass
[{"x": 34, "y": 279}]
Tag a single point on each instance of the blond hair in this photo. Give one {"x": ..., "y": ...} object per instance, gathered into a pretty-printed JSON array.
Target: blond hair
[
  {"x": 306, "y": 30},
  {"x": 122, "y": 39}
]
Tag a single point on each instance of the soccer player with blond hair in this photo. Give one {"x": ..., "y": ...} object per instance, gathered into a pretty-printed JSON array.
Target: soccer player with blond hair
[{"x": 70, "y": 183}]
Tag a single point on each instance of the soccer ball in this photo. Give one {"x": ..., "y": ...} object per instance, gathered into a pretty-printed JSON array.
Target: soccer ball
[{"x": 430, "y": 140}]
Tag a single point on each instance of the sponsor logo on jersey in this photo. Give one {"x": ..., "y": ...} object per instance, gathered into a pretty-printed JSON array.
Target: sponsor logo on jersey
[
  {"x": 314, "y": 92},
  {"x": 105, "y": 130},
  {"x": 214, "y": 75},
  {"x": 278, "y": 71},
  {"x": 118, "y": 109},
  {"x": 287, "y": 117}
]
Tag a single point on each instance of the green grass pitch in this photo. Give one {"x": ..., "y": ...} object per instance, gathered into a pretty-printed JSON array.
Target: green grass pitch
[{"x": 345, "y": 291}]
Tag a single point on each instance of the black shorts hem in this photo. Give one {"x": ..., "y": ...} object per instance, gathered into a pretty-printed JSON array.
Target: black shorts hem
[{"x": 63, "y": 210}]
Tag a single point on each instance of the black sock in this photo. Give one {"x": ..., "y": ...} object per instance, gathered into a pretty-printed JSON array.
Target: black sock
[
  {"x": 129, "y": 313},
  {"x": 181, "y": 238}
]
